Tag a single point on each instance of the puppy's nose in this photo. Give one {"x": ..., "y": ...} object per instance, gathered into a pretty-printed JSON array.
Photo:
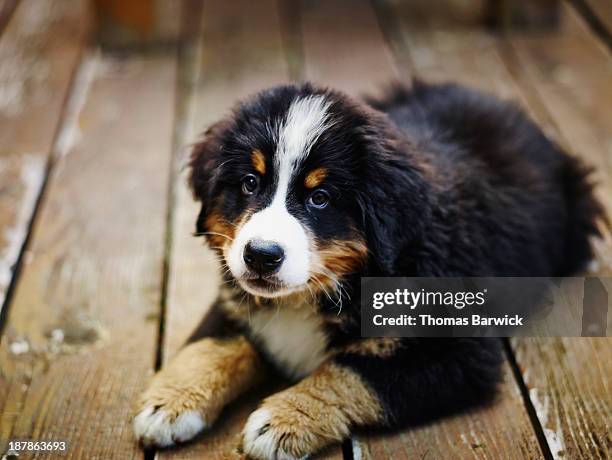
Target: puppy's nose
[{"x": 264, "y": 257}]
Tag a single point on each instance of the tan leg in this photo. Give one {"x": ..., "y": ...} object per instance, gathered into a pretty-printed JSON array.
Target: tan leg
[
  {"x": 188, "y": 394},
  {"x": 316, "y": 412}
]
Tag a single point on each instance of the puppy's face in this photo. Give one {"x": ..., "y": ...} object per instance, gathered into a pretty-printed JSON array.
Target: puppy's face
[{"x": 278, "y": 185}]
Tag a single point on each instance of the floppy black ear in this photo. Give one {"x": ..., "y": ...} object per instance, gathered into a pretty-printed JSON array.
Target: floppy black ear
[
  {"x": 394, "y": 204},
  {"x": 204, "y": 157},
  {"x": 204, "y": 170}
]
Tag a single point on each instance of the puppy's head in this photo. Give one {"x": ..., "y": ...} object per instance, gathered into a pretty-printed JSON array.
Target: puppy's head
[{"x": 288, "y": 189}]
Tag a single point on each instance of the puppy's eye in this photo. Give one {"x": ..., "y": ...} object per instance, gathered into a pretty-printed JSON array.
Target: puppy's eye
[
  {"x": 250, "y": 182},
  {"x": 319, "y": 199}
]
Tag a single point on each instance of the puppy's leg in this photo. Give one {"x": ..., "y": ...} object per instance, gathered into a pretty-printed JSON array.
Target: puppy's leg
[
  {"x": 188, "y": 394},
  {"x": 381, "y": 382},
  {"x": 318, "y": 411}
]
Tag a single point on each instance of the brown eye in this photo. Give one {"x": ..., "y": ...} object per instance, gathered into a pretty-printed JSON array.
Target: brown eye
[
  {"x": 249, "y": 184},
  {"x": 319, "y": 199}
]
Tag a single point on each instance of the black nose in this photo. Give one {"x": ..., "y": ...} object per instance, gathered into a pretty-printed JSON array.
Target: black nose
[{"x": 264, "y": 257}]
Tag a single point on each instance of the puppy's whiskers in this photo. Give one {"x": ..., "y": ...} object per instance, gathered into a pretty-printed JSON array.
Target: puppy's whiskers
[
  {"x": 248, "y": 305},
  {"x": 229, "y": 223},
  {"x": 271, "y": 319},
  {"x": 213, "y": 233},
  {"x": 325, "y": 291},
  {"x": 337, "y": 288}
]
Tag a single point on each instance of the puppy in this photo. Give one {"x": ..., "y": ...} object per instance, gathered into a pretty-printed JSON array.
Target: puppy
[{"x": 305, "y": 190}]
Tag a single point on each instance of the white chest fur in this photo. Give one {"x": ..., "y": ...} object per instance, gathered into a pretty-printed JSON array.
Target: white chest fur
[{"x": 292, "y": 337}]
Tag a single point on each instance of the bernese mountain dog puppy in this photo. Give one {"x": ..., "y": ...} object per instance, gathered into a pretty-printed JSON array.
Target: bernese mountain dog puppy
[{"x": 304, "y": 190}]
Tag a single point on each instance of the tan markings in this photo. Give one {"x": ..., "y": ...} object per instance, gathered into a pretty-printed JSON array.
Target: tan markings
[
  {"x": 381, "y": 347},
  {"x": 315, "y": 177},
  {"x": 204, "y": 376},
  {"x": 259, "y": 161},
  {"x": 221, "y": 231},
  {"x": 337, "y": 259},
  {"x": 318, "y": 411}
]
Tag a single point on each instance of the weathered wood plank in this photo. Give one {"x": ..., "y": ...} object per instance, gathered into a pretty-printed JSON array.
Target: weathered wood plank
[
  {"x": 79, "y": 338},
  {"x": 460, "y": 54},
  {"x": 241, "y": 53},
  {"x": 569, "y": 386},
  {"x": 446, "y": 47},
  {"x": 569, "y": 379},
  {"x": 39, "y": 51},
  {"x": 344, "y": 47}
]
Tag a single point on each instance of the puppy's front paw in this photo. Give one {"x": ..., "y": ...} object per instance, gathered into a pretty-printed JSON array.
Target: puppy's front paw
[
  {"x": 265, "y": 437},
  {"x": 290, "y": 426},
  {"x": 161, "y": 427},
  {"x": 190, "y": 392},
  {"x": 173, "y": 409},
  {"x": 313, "y": 414}
]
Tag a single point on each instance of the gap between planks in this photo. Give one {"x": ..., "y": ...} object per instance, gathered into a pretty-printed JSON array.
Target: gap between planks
[
  {"x": 7, "y": 8},
  {"x": 598, "y": 15},
  {"x": 67, "y": 131},
  {"x": 38, "y": 167}
]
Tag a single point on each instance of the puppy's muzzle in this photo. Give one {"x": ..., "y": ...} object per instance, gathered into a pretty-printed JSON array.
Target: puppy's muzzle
[{"x": 263, "y": 257}]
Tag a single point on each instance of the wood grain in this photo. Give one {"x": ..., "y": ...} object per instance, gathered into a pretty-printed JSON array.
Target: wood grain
[
  {"x": 344, "y": 46},
  {"x": 81, "y": 332},
  {"x": 39, "y": 51},
  {"x": 569, "y": 386}
]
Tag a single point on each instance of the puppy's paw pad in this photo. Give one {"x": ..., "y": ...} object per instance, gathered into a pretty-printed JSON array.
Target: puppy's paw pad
[
  {"x": 158, "y": 428},
  {"x": 261, "y": 439}
]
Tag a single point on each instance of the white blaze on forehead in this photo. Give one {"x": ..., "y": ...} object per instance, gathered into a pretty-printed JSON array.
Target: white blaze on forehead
[{"x": 306, "y": 120}]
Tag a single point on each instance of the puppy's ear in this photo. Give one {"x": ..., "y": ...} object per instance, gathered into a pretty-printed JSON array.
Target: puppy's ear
[
  {"x": 203, "y": 168},
  {"x": 204, "y": 157}
]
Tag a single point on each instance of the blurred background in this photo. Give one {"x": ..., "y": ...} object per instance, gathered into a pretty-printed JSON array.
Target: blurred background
[{"x": 101, "y": 279}]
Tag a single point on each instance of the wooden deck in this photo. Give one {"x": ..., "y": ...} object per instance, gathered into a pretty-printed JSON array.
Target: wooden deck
[{"x": 100, "y": 278}]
